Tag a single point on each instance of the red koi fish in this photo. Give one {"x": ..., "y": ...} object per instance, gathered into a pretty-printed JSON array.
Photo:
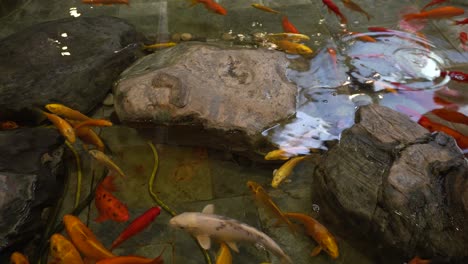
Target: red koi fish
[
  {"x": 211, "y": 6},
  {"x": 461, "y": 139},
  {"x": 456, "y": 76},
  {"x": 445, "y": 103},
  {"x": 353, "y": 6},
  {"x": 418, "y": 260},
  {"x": 437, "y": 13},
  {"x": 379, "y": 29},
  {"x": 131, "y": 260},
  {"x": 104, "y": 2},
  {"x": 137, "y": 225},
  {"x": 288, "y": 27},
  {"x": 332, "y": 53},
  {"x": 463, "y": 39},
  {"x": 451, "y": 115},
  {"x": 8, "y": 125},
  {"x": 433, "y": 3},
  {"x": 461, "y": 22},
  {"x": 331, "y": 6},
  {"x": 363, "y": 37},
  {"x": 109, "y": 207}
]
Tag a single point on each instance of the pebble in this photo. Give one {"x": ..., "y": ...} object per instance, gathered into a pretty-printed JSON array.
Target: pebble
[{"x": 186, "y": 36}]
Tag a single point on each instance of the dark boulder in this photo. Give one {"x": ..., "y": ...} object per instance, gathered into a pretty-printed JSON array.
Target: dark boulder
[
  {"x": 31, "y": 177},
  {"x": 392, "y": 183},
  {"x": 72, "y": 61}
]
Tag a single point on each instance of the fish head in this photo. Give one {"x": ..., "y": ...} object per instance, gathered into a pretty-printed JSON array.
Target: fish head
[
  {"x": 18, "y": 258},
  {"x": 303, "y": 50},
  {"x": 253, "y": 186},
  {"x": 276, "y": 180},
  {"x": 121, "y": 214},
  {"x": 185, "y": 221},
  {"x": 70, "y": 220},
  {"x": 59, "y": 245},
  {"x": 329, "y": 245},
  {"x": 54, "y": 108}
]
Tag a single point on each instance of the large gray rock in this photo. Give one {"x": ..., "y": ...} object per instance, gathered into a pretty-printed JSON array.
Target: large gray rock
[
  {"x": 399, "y": 187},
  {"x": 31, "y": 172},
  {"x": 73, "y": 61},
  {"x": 241, "y": 91}
]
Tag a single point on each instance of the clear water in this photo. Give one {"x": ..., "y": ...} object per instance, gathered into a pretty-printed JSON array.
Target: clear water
[{"x": 328, "y": 95}]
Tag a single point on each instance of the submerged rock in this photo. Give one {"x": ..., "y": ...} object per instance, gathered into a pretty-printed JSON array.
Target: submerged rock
[
  {"x": 396, "y": 184},
  {"x": 233, "y": 90},
  {"x": 31, "y": 172},
  {"x": 72, "y": 61}
]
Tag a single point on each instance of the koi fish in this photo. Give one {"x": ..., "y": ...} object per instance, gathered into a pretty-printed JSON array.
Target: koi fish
[
  {"x": 211, "y": 6},
  {"x": 456, "y": 76},
  {"x": 353, "y": 6},
  {"x": 63, "y": 251},
  {"x": 265, "y": 8},
  {"x": 288, "y": 27},
  {"x": 160, "y": 45},
  {"x": 262, "y": 197},
  {"x": 63, "y": 127},
  {"x": 137, "y": 225},
  {"x": 461, "y": 22},
  {"x": 94, "y": 122},
  {"x": 293, "y": 47},
  {"x": 284, "y": 171},
  {"x": 332, "y": 53},
  {"x": 418, "y": 260},
  {"x": 331, "y": 6},
  {"x": 285, "y": 154},
  {"x": 447, "y": 104},
  {"x": 287, "y": 36},
  {"x": 432, "y": 126},
  {"x": 106, "y": 161},
  {"x": 104, "y": 2},
  {"x": 18, "y": 258},
  {"x": 88, "y": 136},
  {"x": 84, "y": 240},
  {"x": 363, "y": 37},
  {"x": 379, "y": 29},
  {"x": 437, "y": 13},
  {"x": 109, "y": 207},
  {"x": 463, "y": 38},
  {"x": 132, "y": 260},
  {"x": 224, "y": 255},
  {"x": 66, "y": 112},
  {"x": 433, "y": 3},
  {"x": 206, "y": 225},
  {"x": 319, "y": 233},
  {"x": 451, "y": 116},
  {"x": 8, "y": 125}
]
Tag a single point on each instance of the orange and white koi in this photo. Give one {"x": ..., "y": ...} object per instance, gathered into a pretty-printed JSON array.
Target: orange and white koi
[
  {"x": 265, "y": 8},
  {"x": 437, "y": 13},
  {"x": 84, "y": 240},
  {"x": 284, "y": 171},
  {"x": 18, "y": 258},
  {"x": 108, "y": 206},
  {"x": 211, "y": 6},
  {"x": 105, "y": 2},
  {"x": 456, "y": 76},
  {"x": 326, "y": 241},
  {"x": 63, "y": 127},
  {"x": 331, "y": 6},
  {"x": 224, "y": 255},
  {"x": 63, "y": 251},
  {"x": 288, "y": 27},
  {"x": 433, "y": 3},
  {"x": 66, "y": 112},
  {"x": 353, "y": 6}
]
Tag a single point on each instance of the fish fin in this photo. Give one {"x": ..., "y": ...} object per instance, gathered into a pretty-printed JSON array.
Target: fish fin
[
  {"x": 209, "y": 209},
  {"x": 108, "y": 183},
  {"x": 233, "y": 246},
  {"x": 316, "y": 251},
  {"x": 204, "y": 241},
  {"x": 274, "y": 171},
  {"x": 101, "y": 218}
]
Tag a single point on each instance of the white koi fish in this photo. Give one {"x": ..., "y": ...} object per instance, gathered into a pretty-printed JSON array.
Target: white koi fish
[{"x": 206, "y": 225}]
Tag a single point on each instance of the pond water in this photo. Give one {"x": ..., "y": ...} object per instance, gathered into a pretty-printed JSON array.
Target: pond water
[{"x": 400, "y": 70}]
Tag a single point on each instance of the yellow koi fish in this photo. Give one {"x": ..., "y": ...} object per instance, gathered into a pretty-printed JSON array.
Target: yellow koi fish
[
  {"x": 160, "y": 45},
  {"x": 224, "y": 255},
  {"x": 94, "y": 122},
  {"x": 295, "y": 37},
  {"x": 88, "y": 136},
  {"x": 18, "y": 258},
  {"x": 277, "y": 154},
  {"x": 293, "y": 47},
  {"x": 63, "y": 127},
  {"x": 262, "y": 197},
  {"x": 284, "y": 171},
  {"x": 106, "y": 161},
  {"x": 84, "y": 240},
  {"x": 265, "y": 8},
  {"x": 66, "y": 112},
  {"x": 319, "y": 233},
  {"x": 63, "y": 251}
]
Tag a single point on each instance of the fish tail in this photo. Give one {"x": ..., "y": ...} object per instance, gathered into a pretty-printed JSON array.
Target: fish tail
[{"x": 108, "y": 183}]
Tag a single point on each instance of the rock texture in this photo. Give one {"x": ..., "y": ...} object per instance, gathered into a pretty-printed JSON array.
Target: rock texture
[
  {"x": 225, "y": 89},
  {"x": 72, "y": 61},
  {"x": 396, "y": 184},
  {"x": 31, "y": 172}
]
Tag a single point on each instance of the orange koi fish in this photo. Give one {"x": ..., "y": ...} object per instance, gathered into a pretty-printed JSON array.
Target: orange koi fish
[
  {"x": 418, "y": 260},
  {"x": 437, "y": 13},
  {"x": 224, "y": 255},
  {"x": 88, "y": 136},
  {"x": 84, "y": 240},
  {"x": 63, "y": 251},
  {"x": 450, "y": 115},
  {"x": 363, "y": 37},
  {"x": 262, "y": 198},
  {"x": 319, "y": 233},
  {"x": 288, "y": 27},
  {"x": 132, "y": 260},
  {"x": 109, "y": 207},
  {"x": 284, "y": 171},
  {"x": 211, "y": 6},
  {"x": 293, "y": 48},
  {"x": 331, "y": 6},
  {"x": 353, "y": 6},
  {"x": 379, "y": 29},
  {"x": 461, "y": 22},
  {"x": 63, "y": 127},
  {"x": 8, "y": 125},
  {"x": 332, "y": 53},
  {"x": 104, "y": 2},
  {"x": 18, "y": 258},
  {"x": 447, "y": 104},
  {"x": 94, "y": 122},
  {"x": 137, "y": 225},
  {"x": 433, "y": 3},
  {"x": 160, "y": 45},
  {"x": 66, "y": 112},
  {"x": 463, "y": 38},
  {"x": 265, "y": 8},
  {"x": 432, "y": 126}
]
